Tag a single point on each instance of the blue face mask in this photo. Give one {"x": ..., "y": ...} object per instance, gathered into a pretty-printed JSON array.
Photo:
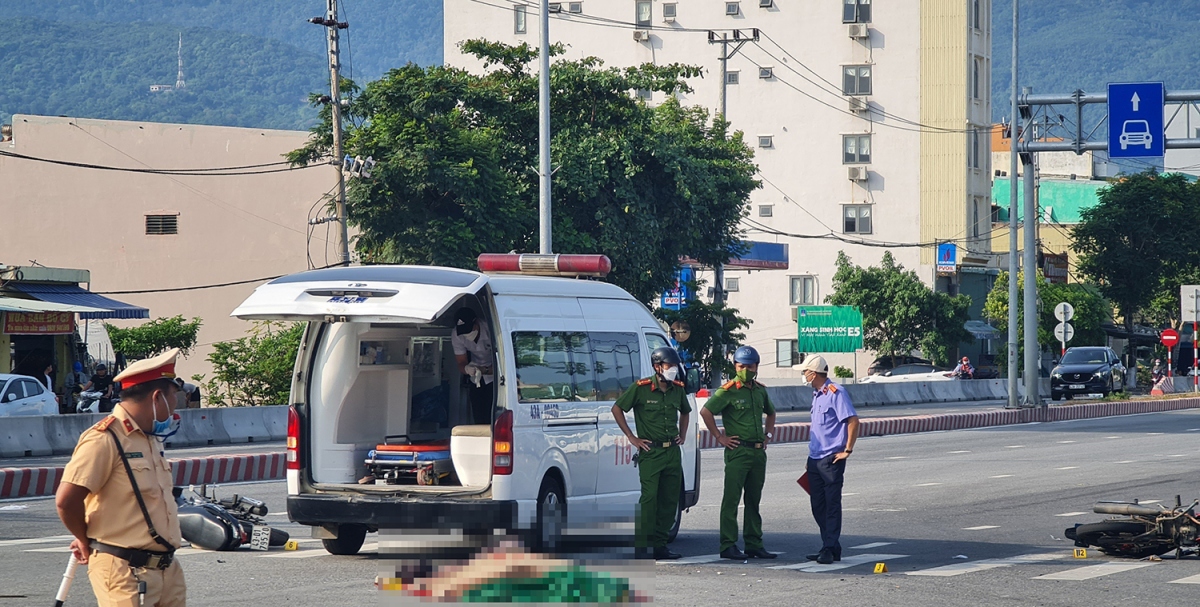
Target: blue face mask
[{"x": 166, "y": 428}]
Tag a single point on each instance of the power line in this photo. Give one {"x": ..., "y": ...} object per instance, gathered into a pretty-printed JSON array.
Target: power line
[
  {"x": 206, "y": 172},
  {"x": 200, "y": 287}
]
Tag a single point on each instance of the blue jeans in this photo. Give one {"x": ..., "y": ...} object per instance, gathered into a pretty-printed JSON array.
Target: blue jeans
[{"x": 825, "y": 486}]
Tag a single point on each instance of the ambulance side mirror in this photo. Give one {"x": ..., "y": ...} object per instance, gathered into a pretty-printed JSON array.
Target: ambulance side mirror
[{"x": 693, "y": 380}]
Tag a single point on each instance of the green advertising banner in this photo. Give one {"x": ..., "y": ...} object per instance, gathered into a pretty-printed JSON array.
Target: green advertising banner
[{"x": 829, "y": 329}]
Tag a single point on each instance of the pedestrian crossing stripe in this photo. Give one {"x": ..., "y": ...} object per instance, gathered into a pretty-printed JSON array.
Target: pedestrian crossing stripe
[
  {"x": 1093, "y": 571},
  {"x": 983, "y": 565},
  {"x": 845, "y": 563}
]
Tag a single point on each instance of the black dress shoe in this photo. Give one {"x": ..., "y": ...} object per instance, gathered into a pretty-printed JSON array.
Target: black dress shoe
[
  {"x": 825, "y": 557},
  {"x": 732, "y": 552},
  {"x": 837, "y": 556},
  {"x": 664, "y": 554},
  {"x": 760, "y": 553}
]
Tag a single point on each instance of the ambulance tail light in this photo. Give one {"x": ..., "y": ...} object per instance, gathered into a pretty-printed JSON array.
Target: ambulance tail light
[
  {"x": 502, "y": 444},
  {"x": 293, "y": 439},
  {"x": 545, "y": 265}
]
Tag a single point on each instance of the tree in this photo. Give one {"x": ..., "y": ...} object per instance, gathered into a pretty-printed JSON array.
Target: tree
[
  {"x": 457, "y": 157},
  {"x": 256, "y": 369},
  {"x": 900, "y": 313},
  {"x": 1136, "y": 238},
  {"x": 155, "y": 337},
  {"x": 706, "y": 322},
  {"x": 1092, "y": 310}
]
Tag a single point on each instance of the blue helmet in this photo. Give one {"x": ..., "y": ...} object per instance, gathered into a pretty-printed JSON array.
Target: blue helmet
[{"x": 746, "y": 355}]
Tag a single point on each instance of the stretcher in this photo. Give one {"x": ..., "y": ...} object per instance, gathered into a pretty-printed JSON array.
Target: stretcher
[{"x": 410, "y": 464}]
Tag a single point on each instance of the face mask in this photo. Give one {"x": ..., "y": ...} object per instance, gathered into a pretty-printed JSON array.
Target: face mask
[
  {"x": 168, "y": 427},
  {"x": 746, "y": 375},
  {"x": 472, "y": 335},
  {"x": 670, "y": 373}
]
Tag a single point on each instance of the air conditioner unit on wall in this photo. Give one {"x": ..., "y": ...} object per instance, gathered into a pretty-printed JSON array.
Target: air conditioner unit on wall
[
  {"x": 856, "y": 173},
  {"x": 859, "y": 104},
  {"x": 859, "y": 30},
  {"x": 641, "y": 35}
]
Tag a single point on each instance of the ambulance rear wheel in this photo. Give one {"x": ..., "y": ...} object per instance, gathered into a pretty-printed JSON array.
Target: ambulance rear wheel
[
  {"x": 678, "y": 518},
  {"x": 551, "y": 514},
  {"x": 349, "y": 540}
]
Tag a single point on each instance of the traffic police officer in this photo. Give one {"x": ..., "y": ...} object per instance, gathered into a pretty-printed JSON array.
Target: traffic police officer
[
  {"x": 116, "y": 494},
  {"x": 742, "y": 403},
  {"x": 660, "y": 409}
]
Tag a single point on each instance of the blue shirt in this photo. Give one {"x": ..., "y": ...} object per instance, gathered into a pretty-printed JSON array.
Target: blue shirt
[{"x": 831, "y": 408}]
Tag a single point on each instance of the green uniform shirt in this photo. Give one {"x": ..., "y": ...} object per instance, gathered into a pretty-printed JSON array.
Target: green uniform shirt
[
  {"x": 656, "y": 413},
  {"x": 741, "y": 407}
]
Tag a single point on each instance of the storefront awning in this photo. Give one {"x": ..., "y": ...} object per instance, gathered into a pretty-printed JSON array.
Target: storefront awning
[
  {"x": 77, "y": 296},
  {"x": 981, "y": 330},
  {"x": 11, "y": 304}
]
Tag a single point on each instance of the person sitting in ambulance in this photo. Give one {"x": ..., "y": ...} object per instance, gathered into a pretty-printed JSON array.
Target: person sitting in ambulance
[{"x": 473, "y": 350}]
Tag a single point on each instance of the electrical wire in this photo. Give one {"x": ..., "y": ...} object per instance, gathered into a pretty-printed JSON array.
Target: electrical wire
[
  {"x": 201, "y": 287},
  {"x": 208, "y": 172}
]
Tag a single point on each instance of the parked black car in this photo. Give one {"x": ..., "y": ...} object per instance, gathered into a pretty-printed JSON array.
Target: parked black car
[
  {"x": 884, "y": 364},
  {"x": 1087, "y": 370}
]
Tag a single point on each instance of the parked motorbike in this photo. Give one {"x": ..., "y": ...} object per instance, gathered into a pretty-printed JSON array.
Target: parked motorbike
[
  {"x": 89, "y": 402},
  {"x": 223, "y": 524},
  {"x": 1143, "y": 532}
]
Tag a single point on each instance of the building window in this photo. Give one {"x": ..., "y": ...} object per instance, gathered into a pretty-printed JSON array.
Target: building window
[
  {"x": 555, "y": 7},
  {"x": 975, "y": 218},
  {"x": 766, "y": 3},
  {"x": 786, "y": 354},
  {"x": 766, "y": 72},
  {"x": 976, "y": 77},
  {"x": 733, "y": 9},
  {"x": 645, "y": 94},
  {"x": 670, "y": 10},
  {"x": 157, "y": 225},
  {"x": 856, "y": 149},
  {"x": 857, "y": 219},
  {"x": 766, "y": 210},
  {"x": 766, "y": 141},
  {"x": 643, "y": 13},
  {"x": 856, "y": 80},
  {"x": 975, "y": 152},
  {"x": 977, "y": 14},
  {"x": 732, "y": 77},
  {"x": 804, "y": 291},
  {"x": 733, "y": 285},
  {"x": 519, "y": 19},
  {"x": 575, "y": 7},
  {"x": 856, "y": 11}
]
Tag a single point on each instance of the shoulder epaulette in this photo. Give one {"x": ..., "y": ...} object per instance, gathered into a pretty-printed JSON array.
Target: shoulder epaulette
[
  {"x": 833, "y": 388},
  {"x": 645, "y": 382},
  {"x": 103, "y": 424},
  {"x": 729, "y": 384},
  {"x": 679, "y": 383}
]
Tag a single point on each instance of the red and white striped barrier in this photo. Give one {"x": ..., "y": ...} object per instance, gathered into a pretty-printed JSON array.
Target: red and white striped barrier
[{"x": 37, "y": 482}]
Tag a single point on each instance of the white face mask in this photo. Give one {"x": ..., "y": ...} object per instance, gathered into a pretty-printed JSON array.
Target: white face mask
[{"x": 670, "y": 373}]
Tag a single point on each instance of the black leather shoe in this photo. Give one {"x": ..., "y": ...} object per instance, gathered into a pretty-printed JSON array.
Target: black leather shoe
[
  {"x": 760, "y": 553},
  {"x": 837, "y": 556},
  {"x": 732, "y": 552},
  {"x": 825, "y": 557},
  {"x": 665, "y": 554}
]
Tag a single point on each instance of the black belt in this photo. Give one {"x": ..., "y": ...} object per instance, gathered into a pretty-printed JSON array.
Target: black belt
[
  {"x": 137, "y": 558},
  {"x": 661, "y": 444},
  {"x": 751, "y": 445}
]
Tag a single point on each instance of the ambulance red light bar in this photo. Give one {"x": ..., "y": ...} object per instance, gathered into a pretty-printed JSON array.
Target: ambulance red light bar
[{"x": 545, "y": 265}]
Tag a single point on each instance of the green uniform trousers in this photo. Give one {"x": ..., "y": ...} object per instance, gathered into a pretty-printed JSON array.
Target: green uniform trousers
[
  {"x": 661, "y": 472},
  {"x": 745, "y": 471}
]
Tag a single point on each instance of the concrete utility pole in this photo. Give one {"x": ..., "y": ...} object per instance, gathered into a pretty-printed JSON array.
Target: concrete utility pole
[
  {"x": 332, "y": 25},
  {"x": 546, "y": 237},
  {"x": 738, "y": 40},
  {"x": 1013, "y": 133},
  {"x": 1030, "y": 262}
]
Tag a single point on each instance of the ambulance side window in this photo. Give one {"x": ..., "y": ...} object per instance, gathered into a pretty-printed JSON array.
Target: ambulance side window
[
  {"x": 544, "y": 366},
  {"x": 618, "y": 363},
  {"x": 655, "y": 342}
]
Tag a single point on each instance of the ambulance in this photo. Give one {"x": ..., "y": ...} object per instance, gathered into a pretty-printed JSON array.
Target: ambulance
[{"x": 376, "y": 371}]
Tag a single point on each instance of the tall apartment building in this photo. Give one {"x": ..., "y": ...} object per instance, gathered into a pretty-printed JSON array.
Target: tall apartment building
[{"x": 862, "y": 114}]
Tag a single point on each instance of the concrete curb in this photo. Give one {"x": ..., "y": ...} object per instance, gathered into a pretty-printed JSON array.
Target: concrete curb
[
  {"x": 883, "y": 426},
  {"x": 38, "y": 482}
]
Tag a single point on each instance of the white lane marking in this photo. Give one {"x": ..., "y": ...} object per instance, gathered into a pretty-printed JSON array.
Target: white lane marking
[
  {"x": 696, "y": 560},
  {"x": 1014, "y": 446},
  {"x": 1067, "y": 468},
  {"x": 298, "y": 554},
  {"x": 1154, "y": 434},
  {"x": 926, "y": 484},
  {"x": 1002, "y": 476},
  {"x": 871, "y": 545},
  {"x": 1066, "y": 442},
  {"x": 961, "y": 568},
  {"x": 1179, "y": 455},
  {"x": 981, "y": 527},
  {"x": 1071, "y": 514},
  {"x": 845, "y": 563},
  {"x": 1127, "y": 461},
  {"x": 1195, "y": 579},
  {"x": 38, "y": 540},
  {"x": 1193, "y": 429},
  {"x": 848, "y": 494},
  {"x": 1112, "y": 437},
  {"x": 897, "y": 457},
  {"x": 1092, "y": 571},
  {"x": 953, "y": 452},
  {"x": 54, "y": 549}
]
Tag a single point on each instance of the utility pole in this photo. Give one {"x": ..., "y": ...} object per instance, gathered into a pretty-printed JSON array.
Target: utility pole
[
  {"x": 738, "y": 40},
  {"x": 1013, "y": 133},
  {"x": 1030, "y": 262},
  {"x": 332, "y": 25},
  {"x": 546, "y": 236}
]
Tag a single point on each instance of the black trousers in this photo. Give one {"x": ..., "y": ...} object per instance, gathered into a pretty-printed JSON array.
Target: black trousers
[
  {"x": 481, "y": 403},
  {"x": 825, "y": 480}
]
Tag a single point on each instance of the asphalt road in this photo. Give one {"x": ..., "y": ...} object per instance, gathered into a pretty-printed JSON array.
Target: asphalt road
[{"x": 1000, "y": 497}]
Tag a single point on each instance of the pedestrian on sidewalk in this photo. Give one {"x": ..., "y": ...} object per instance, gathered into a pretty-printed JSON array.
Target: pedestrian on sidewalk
[
  {"x": 742, "y": 404},
  {"x": 831, "y": 440}
]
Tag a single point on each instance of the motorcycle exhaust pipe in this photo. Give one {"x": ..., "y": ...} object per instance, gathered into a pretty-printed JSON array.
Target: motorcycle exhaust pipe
[{"x": 1126, "y": 509}]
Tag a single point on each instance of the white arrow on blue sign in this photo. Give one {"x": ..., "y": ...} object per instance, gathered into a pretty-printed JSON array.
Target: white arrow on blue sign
[{"x": 1135, "y": 120}]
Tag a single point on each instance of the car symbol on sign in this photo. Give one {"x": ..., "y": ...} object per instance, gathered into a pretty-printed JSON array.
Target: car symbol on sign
[{"x": 1135, "y": 132}]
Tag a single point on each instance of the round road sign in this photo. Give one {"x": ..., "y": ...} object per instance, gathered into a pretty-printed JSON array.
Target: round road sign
[
  {"x": 1169, "y": 338},
  {"x": 1064, "y": 311},
  {"x": 1064, "y": 332}
]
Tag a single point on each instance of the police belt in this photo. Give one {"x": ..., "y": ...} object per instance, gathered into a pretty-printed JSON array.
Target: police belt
[
  {"x": 137, "y": 558},
  {"x": 661, "y": 444},
  {"x": 751, "y": 445}
]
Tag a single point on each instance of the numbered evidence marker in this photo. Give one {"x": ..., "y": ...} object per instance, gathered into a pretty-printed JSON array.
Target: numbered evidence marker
[
  {"x": 881, "y": 568},
  {"x": 1081, "y": 553},
  {"x": 291, "y": 545}
]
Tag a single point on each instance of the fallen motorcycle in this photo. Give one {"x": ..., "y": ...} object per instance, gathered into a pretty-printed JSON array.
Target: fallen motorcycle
[
  {"x": 225, "y": 524},
  {"x": 1144, "y": 531}
]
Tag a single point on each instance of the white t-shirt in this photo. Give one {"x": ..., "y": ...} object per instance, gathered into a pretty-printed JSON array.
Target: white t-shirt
[{"x": 479, "y": 350}]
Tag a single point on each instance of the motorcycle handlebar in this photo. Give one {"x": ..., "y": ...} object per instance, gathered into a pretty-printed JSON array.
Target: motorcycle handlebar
[{"x": 1126, "y": 509}]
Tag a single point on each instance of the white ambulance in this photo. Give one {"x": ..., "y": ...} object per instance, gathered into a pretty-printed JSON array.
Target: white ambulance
[{"x": 376, "y": 366}]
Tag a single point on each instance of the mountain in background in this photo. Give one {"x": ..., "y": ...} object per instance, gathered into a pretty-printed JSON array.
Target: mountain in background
[{"x": 246, "y": 63}]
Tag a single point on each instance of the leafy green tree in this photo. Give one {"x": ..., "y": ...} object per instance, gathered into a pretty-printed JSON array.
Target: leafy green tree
[
  {"x": 256, "y": 369},
  {"x": 1092, "y": 310},
  {"x": 457, "y": 155},
  {"x": 900, "y": 313},
  {"x": 707, "y": 322},
  {"x": 155, "y": 337}
]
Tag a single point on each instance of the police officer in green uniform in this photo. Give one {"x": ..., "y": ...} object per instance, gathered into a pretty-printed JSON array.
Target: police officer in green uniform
[
  {"x": 660, "y": 410},
  {"x": 742, "y": 403}
]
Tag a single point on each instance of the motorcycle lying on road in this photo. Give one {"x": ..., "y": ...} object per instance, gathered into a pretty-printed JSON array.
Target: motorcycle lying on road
[
  {"x": 1144, "y": 531},
  {"x": 223, "y": 524}
]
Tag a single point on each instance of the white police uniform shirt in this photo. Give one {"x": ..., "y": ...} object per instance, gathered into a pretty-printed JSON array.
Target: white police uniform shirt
[{"x": 479, "y": 350}]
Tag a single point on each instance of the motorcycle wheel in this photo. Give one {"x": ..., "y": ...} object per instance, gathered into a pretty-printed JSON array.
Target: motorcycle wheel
[{"x": 1115, "y": 538}]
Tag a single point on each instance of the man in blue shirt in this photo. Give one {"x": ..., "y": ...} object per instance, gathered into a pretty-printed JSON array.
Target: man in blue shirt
[{"x": 832, "y": 434}]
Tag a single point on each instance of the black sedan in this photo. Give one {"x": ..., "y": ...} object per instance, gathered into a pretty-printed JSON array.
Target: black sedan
[{"x": 1087, "y": 370}]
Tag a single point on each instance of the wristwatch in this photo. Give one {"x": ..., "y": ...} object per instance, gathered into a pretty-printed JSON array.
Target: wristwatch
[
  {"x": 848, "y": 451},
  {"x": 770, "y": 435}
]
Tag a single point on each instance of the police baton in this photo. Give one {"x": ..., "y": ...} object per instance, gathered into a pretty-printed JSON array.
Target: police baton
[{"x": 65, "y": 586}]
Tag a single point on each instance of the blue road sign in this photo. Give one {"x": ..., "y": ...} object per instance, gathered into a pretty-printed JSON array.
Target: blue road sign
[{"x": 1135, "y": 120}]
